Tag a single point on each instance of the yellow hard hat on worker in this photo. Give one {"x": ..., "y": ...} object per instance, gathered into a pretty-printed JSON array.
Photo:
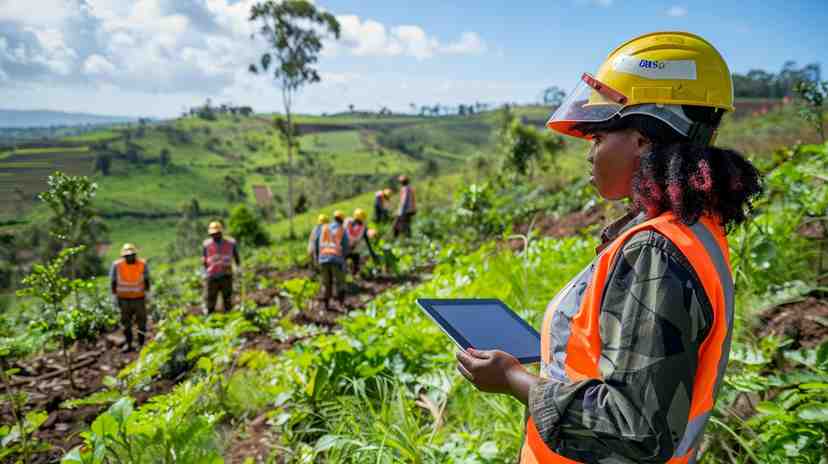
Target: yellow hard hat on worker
[
  {"x": 654, "y": 74},
  {"x": 214, "y": 228},
  {"x": 386, "y": 193},
  {"x": 360, "y": 215},
  {"x": 128, "y": 249},
  {"x": 339, "y": 215},
  {"x": 322, "y": 219}
]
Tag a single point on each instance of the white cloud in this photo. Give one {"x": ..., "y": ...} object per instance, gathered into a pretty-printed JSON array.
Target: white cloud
[
  {"x": 677, "y": 11},
  {"x": 469, "y": 43},
  {"x": 96, "y": 65},
  {"x": 371, "y": 38}
]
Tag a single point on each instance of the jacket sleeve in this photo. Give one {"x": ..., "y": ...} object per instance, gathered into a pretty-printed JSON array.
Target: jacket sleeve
[{"x": 654, "y": 316}]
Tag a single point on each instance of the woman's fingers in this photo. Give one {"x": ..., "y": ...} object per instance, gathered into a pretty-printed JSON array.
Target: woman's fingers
[{"x": 465, "y": 373}]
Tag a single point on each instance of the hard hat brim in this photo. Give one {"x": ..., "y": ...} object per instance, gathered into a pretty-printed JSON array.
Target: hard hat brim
[{"x": 589, "y": 101}]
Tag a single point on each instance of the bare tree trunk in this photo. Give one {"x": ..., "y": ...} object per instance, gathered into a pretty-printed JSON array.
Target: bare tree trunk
[{"x": 286, "y": 100}]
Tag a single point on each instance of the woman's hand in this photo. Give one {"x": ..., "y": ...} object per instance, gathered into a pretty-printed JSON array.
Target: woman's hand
[{"x": 494, "y": 371}]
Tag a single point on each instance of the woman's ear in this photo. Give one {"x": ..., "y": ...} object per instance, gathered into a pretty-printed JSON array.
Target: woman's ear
[{"x": 642, "y": 143}]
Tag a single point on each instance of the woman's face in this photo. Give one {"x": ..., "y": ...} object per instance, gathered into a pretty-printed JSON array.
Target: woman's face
[{"x": 614, "y": 157}]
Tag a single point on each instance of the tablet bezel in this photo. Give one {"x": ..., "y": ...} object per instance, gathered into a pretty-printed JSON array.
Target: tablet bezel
[{"x": 426, "y": 304}]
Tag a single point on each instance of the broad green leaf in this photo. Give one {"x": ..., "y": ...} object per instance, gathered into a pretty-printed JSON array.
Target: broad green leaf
[{"x": 813, "y": 412}]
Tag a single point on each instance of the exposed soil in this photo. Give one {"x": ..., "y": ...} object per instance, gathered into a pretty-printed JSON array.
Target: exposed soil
[
  {"x": 41, "y": 377},
  {"x": 806, "y": 322},
  {"x": 566, "y": 225}
]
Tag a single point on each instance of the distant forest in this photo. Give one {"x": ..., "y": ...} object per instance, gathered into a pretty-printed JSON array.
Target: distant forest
[{"x": 758, "y": 83}]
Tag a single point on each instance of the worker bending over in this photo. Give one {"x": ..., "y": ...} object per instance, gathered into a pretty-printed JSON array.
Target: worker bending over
[
  {"x": 332, "y": 246},
  {"x": 130, "y": 282},
  {"x": 381, "y": 205},
  {"x": 218, "y": 254},
  {"x": 357, "y": 233}
]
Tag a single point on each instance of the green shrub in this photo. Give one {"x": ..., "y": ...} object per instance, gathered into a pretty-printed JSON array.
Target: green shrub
[{"x": 247, "y": 227}]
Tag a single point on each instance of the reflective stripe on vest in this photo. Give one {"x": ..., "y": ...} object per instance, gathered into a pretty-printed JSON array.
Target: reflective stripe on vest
[
  {"x": 219, "y": 259},
  {"x": 407, "y": 199},
  {"x": 331, "y": 244},
  {"x": 570, "y": 337},
  {"x": 130, "y": 279},
  {"x": 354, "y": 231}
]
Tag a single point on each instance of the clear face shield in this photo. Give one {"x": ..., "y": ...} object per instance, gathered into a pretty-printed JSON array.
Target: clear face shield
[{"x": 590, "y": 101}]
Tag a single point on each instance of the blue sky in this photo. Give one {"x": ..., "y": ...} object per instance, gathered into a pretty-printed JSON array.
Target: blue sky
[{"x": 155, "y": 57}]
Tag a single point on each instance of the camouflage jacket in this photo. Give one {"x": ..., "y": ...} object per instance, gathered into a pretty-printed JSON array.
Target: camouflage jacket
[{"x": 654, "y": 316}]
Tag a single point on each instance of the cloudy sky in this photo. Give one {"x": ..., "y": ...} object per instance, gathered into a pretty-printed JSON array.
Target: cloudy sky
[{"x": 156, "y": 57}]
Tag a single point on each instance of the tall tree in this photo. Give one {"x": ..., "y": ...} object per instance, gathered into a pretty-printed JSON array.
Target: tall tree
[{"x": 293, "y": 30}]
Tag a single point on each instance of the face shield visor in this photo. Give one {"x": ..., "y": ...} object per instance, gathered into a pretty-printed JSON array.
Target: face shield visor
[{"x": 590, "y": 101}]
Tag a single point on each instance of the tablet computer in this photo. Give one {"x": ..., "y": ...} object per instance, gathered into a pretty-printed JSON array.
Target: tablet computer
[{"x": 484, "y": 324}]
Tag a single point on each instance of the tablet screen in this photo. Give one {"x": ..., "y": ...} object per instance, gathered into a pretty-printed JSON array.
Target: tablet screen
[{"x": 485, "y": 325}]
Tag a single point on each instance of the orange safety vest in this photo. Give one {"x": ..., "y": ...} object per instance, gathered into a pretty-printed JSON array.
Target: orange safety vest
[
  {"x": 577, "y": 349},
  {"x": 408, "y": 201},
  {"x": 130, "y": 279},
  {"x": 331, "y": 244},
  {"x": 355, "y": 232},
  {"x": 219, "y": 259}
]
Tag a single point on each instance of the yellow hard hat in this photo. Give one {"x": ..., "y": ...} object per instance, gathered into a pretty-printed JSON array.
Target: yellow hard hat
[
  {"x": 214, "y": 228},
  {"x": 128, "y": 249},
  {"x": 322, "y": 219},
  {"x": 339, "y": 215},
  {"x": 652, "y": 74},
  {"x": 386, "y": 193},
  {"x": 359, "y": 214}
]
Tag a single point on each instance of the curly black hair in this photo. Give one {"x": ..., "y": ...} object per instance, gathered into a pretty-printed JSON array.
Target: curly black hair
[{"x": 688, "y": 179}]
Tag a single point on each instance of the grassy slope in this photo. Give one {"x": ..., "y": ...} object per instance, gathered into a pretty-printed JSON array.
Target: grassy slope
[{"x": 250, "y": 146}]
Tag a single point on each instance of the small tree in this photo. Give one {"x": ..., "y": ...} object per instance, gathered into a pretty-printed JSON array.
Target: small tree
[
  {"x": 74, "y": 221},
  {"x": 246, "y": 227},
  {"x": 103, "y": 163},
  {"x": 189, "y": 232},
  {"x": 293, "y": 30},
  {"x": 165, "y": 160},
  {"x": 234, "y": 187},
  {"x": 813, "y": 93},
  {"x": 69, "y": 325}
]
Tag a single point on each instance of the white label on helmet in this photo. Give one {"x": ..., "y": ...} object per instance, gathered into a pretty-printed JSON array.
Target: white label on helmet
[{"x": 655, "y": 69}]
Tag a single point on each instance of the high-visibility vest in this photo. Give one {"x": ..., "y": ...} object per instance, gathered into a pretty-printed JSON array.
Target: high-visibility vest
[
  {"x": 705, "y": 246},
  {"x": 355, "y": 231},
  {"x": 408, "y": 202},
  {"x": 130, "y": 279},
  {"x": 219, "y": 258},
  {"x": 330, "y": 244}
]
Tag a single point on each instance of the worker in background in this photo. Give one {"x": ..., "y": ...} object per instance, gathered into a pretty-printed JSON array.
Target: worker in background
[
  {"x": 130, "y": 282},
  {"x": 357, "y": 232},
  {"x": 635, "y": 348},
  {"x": 381, "y": 205},
  {"x": 332, "y": 246},
  {"x": 218, "y": 254},
  {"x": 408, "y": 208},
  {"x": 313, "y": 251}
]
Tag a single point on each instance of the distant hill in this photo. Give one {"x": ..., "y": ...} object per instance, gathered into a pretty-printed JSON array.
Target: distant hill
[{"x": 45, "y": 118}]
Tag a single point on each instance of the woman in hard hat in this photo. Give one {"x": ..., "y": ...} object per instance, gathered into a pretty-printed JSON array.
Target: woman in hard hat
[
  {"x": 357, "y": 230},
  {"x": 634, "y": 348}
]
